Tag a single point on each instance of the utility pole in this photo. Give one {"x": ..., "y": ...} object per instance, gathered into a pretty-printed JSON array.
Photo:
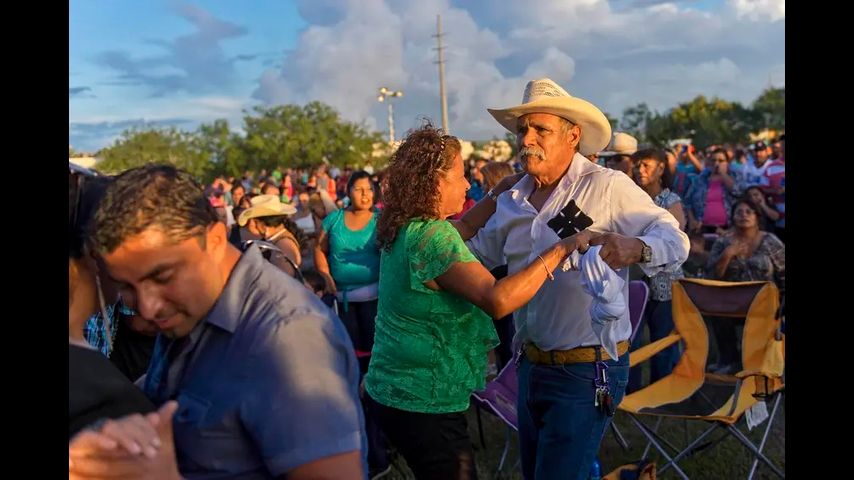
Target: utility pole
[{"x": 441, "y": 63}]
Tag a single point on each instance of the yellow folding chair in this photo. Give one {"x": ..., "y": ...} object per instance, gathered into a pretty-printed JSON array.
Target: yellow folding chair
[{"x": 690, "y": 392}]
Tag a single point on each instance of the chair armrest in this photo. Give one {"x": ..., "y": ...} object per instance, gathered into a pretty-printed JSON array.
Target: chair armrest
[{"x": 645, "y": 352}]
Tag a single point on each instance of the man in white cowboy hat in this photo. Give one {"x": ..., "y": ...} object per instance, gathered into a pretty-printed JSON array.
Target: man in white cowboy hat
[
  {"x": 267, "y": 219},
  {"x": 618, "y": 155},
  {"x": 560, "y": 424}
]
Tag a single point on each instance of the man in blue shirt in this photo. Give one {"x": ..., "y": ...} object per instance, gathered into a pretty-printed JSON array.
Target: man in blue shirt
[{"x": 265, "y": 377}]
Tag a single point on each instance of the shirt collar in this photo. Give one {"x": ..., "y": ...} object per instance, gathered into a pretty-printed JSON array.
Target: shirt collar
[
  {"x": 579, "y": 167},
  {"x": 228, "y": 309}
]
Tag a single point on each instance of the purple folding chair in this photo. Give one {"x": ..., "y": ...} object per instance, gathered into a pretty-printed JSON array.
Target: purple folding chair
[
  {"x": 499, "y": 398},
  {"x": 638, "y": 296}
]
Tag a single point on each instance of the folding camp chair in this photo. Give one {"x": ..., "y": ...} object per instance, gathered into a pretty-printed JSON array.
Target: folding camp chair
[
  {"x": 638, "y": 297},
  {"x": 691, "y": 393},
  {"x": 499, "y": 398}
]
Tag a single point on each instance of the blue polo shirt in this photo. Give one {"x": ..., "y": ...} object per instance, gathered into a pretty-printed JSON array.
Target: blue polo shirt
[{"x": 268, "y": 381}]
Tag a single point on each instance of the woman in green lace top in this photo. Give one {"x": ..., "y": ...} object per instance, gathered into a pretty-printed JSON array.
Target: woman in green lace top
[{"x": 436, "y": 302}]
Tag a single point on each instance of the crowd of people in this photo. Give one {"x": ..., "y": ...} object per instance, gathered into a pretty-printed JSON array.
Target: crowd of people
[
  {"x": 730, "y": 200},
  {"x": 300, "y": 323}
]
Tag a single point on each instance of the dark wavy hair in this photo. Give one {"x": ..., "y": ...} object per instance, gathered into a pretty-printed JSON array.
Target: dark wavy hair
[
  {"x": 744, "y": 200},
  {"x": 660, "y": 157},
  {"x": 413, "y": 180}
]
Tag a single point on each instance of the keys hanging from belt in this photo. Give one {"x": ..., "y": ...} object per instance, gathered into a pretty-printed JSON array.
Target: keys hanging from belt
[{"x": 602, "y": 398}]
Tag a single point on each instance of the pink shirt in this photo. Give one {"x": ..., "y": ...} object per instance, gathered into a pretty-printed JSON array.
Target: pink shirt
[
  {"x": 466, "y": 206},
  {"x": 715, "y": 212},
  {"x": 775, "y": 176}
]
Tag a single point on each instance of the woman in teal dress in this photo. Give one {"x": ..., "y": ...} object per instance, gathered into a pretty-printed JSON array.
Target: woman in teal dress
[{"x": 348, "y": 257}]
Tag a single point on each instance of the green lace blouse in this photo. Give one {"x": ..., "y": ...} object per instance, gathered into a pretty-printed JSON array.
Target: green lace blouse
[{"x": 430, "y": 346}]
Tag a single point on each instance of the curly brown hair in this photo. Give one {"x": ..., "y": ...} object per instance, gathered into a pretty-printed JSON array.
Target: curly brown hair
[{"x": 413, "y": 180}]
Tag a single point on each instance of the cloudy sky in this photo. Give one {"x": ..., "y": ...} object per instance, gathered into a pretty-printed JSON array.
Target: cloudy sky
[{"x": 169, "y": 62}]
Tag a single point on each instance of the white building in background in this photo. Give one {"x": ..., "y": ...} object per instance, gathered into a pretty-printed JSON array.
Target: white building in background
[
  {"x": 85, "y": 161},
  {"x": 765, "y": 135},
  {"x": 384, "y": 150},
  {"x": 495, "y": 150},
  {"x": 466, "y": 149}
]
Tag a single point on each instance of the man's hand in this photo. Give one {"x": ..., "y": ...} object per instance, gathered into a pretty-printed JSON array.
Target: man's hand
[
  {"x": 618, "y": 251},
  {"x": 331, "y": 287},
  {"x": 105, "y": 453},
  {"x": 579, "y": 241},
  {"x": 736, "y": 249}
]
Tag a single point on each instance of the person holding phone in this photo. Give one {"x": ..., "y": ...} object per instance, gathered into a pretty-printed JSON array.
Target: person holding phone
[
  {"x": 687, "y": 167},
  {"x": 710, "y": 195}
]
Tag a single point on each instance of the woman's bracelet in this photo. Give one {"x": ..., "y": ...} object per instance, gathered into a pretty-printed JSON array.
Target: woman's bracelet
[{"x": 548, "y": 273}]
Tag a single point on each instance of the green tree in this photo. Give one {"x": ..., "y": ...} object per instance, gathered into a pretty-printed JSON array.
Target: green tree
[
  {"x": 137, "y": 147},
  {"x": 770, "y": 109},
  {"x": 706, "y": 121},
  {"x": 635, "y": 121},
  {"x": 660, "y": 129},
  {"x": 712, "y": 121},
  {"x": 511, "y": 139},
  {"x": 225, "y": 148},
  {"x": 613, "y": 121},
  {"x": 289, "y": 135}
]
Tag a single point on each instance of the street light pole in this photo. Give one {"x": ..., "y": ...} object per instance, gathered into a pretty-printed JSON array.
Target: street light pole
[
  {"x": 390, "y": 123},
  {"x": 386, "y": 93}
]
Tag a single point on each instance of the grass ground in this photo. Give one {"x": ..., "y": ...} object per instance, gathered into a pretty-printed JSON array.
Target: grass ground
[{"x": 727, "y": 459}]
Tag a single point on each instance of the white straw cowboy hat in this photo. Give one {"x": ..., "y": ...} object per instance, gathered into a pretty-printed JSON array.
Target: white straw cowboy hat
[
  {"x": 621, "y": 144},
  {"x": 545, "y": 96},
  {"x": 265, "y": 206}
]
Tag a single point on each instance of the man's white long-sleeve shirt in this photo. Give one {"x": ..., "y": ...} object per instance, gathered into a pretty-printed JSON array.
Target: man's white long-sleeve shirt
[{"x": 558, "y": 317}]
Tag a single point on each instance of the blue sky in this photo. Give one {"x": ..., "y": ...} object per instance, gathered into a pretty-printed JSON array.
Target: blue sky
[{"x": 169, "y": 62}]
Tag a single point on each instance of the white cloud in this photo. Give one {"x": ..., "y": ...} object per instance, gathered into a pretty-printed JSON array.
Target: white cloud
[
  {"x": 660, "y": 53},
  {"x": 220, "y": 104},
  {"x": 667, "y": 85},
  {"x": 614, "y": 54},
  {"x": 91, "y": 132},
  {"x": 342, "y": 64},
  {"x": 553, "y": 63},
  {"x": 191, "y": 62},
  {"x": 759, "y": 10}
]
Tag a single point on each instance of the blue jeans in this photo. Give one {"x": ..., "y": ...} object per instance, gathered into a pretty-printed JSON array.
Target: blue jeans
[
  {"x": 559, "y": 428},
  {"x": 659, "y": 317}
]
